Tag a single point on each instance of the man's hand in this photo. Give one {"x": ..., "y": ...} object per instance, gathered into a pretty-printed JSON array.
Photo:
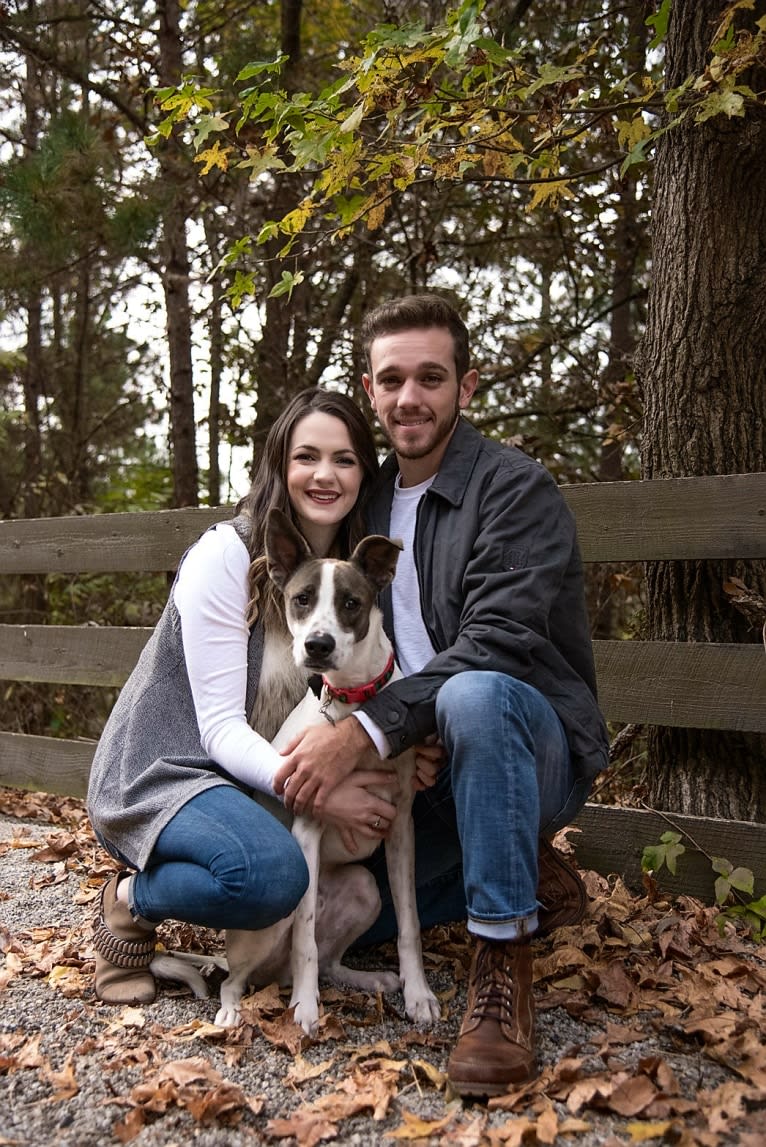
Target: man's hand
[
  {"x": 316, "y": 761},
  {"x": 430, "y": 758}
]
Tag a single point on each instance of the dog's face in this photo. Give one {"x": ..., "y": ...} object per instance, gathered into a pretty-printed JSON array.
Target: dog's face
[{"x": 327, "y": 602}]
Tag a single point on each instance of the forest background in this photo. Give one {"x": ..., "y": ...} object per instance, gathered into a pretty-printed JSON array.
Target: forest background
[{"x": 199, "y": 202}]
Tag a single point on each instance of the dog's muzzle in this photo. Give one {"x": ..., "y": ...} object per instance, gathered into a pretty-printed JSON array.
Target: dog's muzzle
[{"x": 319, "y": 648}]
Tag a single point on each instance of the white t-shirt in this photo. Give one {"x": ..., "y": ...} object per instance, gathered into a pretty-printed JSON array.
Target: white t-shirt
[
  {"x": 413, "y": 645},
  {"x": 211, "y": 595}
]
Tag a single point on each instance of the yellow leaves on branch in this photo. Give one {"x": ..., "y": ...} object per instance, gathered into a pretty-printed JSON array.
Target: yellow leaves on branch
[
  {"x": 549, "y": 194},
  {"x": 215, "y": 156},
  {"x": 631, "y": 132}
]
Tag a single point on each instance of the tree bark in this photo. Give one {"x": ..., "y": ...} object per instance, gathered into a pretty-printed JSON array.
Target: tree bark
[
  {"x": 702, "y": 364},
  {"x": 32, "y": 373},
  {"x": 183, "y": 437}
]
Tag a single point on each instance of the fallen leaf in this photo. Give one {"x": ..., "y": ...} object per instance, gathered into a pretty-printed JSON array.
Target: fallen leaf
[
  {"x": 413, "y": 1127},
  {"x": 307, "y": 1128},
  {"x": 641, "y": 1132},
  {"x": 301, "y": 1070}
]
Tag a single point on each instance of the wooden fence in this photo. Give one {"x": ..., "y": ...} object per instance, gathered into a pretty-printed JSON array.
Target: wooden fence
[{"x": 661, "y": 683}]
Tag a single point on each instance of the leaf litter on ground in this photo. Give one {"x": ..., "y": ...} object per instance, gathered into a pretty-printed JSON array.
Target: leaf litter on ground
[{"x": 650, "y": 1027}]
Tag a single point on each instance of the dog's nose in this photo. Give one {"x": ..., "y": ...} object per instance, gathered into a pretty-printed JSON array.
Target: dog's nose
[{"x": 319, "y": 644}]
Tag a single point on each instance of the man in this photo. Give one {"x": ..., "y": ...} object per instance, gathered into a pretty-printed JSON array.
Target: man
[{"x": 488, "y": 617}]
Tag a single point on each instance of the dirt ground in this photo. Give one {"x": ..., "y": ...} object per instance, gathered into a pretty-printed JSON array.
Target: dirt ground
[{"x": 650, "y": 1029}]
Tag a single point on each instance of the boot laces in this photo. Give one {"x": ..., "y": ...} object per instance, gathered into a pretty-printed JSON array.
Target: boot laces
[{"x": 494, "y": 985}]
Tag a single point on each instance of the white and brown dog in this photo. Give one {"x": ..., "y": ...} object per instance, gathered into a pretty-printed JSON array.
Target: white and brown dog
[{"x": 337, "y": 630}]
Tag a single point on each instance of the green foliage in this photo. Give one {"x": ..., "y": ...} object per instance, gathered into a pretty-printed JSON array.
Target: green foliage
[
  {"x": 57, "y": 196},
  {"x": 451, "y": 104},
  {"x": 732, "y": 884},
  {"x": 666, "y": 853}
]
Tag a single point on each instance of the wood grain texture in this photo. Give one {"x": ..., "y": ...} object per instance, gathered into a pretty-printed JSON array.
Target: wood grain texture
[
  {"x": 146, "y": 541},
  {"x": 45, "y": 764},
  {"x": 722, "y": 516},
  {"x": 70, "y": 654},
  {"x": 612, "y": 840},
  {"x": 685, "y": 685}
]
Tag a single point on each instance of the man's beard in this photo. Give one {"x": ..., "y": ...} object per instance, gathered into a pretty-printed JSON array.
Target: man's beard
[{"x": 442, "y": 431}]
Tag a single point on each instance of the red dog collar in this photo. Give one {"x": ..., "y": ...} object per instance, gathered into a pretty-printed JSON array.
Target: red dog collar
[{"x": 360, "y": 692}]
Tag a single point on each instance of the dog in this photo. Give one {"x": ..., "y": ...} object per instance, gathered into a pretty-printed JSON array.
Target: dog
[{"x": 337, "y": 630}]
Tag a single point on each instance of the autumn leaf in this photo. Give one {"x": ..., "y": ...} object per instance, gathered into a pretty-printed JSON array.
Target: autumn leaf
[
  {"x": 549, "y": 194},
  {"x": 215, "y": 156},
  {"x": 63, "y": 1082},
  {"x": 304, "y": 1126},
  {"x": 301, "y": 1070},
  {"x": 413, "y": 1127},
  {"x": 641, "y": 1132}
]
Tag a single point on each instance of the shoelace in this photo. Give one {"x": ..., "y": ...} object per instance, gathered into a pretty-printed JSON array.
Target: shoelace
[{"x": 494, "y": 990}]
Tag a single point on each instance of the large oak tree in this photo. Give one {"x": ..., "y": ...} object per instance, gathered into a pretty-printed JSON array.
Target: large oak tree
[{"x": 703, "y": 372}]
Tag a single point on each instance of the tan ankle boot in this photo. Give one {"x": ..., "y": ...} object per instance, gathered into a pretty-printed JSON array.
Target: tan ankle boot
[
  {"x": 496, "y": 1046},
  {"x": 124, "y": 950}
]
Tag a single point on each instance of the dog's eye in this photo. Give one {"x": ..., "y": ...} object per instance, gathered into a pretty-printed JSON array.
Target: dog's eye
[
  {"x": 301, "y": 599},
  {"x": 351, "y": 603}
]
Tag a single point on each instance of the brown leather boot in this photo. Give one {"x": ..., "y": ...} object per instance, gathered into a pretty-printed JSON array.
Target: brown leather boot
[
  {"x": 560, "y": 891},
  {"x": 496, "y": 1046},
  {"x": 124, "y": 949}
]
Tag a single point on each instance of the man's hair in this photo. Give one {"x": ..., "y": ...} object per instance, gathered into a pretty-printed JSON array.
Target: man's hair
[{"x": 417, "y": 312}]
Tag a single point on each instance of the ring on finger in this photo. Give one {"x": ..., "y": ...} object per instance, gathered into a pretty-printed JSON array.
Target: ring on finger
[{"x": 377, "y": 822}]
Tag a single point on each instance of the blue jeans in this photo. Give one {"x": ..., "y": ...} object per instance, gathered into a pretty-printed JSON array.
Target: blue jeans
[
  {"x": 508, "y": 778},
  {"x": 222, "y": 862}
]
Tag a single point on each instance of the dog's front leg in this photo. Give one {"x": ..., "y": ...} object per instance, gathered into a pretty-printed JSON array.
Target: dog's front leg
[
  {"x": 420, "y": 1003},
  {"x": 305, "y": 955}
]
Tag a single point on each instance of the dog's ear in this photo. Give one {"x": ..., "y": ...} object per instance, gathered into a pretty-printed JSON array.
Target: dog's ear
[
  {"x": 376, "y": 556},
  {"x": 286, "y": 548}
]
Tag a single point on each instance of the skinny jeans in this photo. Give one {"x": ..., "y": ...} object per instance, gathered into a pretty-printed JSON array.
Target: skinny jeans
[
  {"x": 507, "y": 780},
  {"x": 223, "y": 861}
]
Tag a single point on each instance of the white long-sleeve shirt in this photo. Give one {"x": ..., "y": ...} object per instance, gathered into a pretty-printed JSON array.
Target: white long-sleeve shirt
[{"x": 211, "y": 595}]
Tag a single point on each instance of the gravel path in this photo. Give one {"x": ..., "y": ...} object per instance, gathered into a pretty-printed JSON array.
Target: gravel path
[{"x": 70, "y": 1067}]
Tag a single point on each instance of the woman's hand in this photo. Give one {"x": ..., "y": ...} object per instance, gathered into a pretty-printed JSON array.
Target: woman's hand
[
  {"x": 355, "y": 811},
  {"x": 430, "y": 758}
]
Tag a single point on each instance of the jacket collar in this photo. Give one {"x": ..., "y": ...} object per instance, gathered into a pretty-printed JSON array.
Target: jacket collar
[{"x": 457, "y": 465}]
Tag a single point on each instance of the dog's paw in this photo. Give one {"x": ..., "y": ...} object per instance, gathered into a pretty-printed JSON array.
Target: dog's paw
[
  {"x": 228, "y": 1016},
  {"x": 422, "y": 1007},
  {"x": 306, "y": 1014}
]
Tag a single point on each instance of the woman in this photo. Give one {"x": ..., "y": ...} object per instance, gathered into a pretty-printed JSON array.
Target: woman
[{"x": 168, "y": 793}]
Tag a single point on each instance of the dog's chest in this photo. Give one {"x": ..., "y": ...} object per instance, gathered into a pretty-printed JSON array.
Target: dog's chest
[{"x": 281, "y": 685}]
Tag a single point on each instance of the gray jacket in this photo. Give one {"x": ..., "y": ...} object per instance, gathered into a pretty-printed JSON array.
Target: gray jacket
[
  {"x": 501, "y": 588},
  {"x": 149, "y": 761}
]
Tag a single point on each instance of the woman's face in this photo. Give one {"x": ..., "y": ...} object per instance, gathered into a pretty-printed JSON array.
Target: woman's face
[{"x": 324, "y": 475}]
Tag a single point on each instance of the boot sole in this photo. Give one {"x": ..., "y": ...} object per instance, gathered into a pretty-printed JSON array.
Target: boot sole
[{"x": 472, "y": 1087}]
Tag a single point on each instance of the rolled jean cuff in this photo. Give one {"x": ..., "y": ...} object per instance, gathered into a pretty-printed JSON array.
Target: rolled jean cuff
[{"x": 504, "y": 929}]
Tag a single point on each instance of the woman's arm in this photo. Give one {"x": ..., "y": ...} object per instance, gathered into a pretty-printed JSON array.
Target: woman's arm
[{"x": 211, "y": 594}]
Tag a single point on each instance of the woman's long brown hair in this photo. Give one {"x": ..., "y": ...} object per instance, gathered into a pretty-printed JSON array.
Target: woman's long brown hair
[{"x": 269, "y": 489}]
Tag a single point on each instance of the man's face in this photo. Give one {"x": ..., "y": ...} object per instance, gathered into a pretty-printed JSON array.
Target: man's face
[{"x": 417, "y": 396}]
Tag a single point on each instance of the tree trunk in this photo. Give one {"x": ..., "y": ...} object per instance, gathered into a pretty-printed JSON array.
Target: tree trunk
[
  {"x": 702, "y": 364},
  {"x": 32, "y": 373},
  {"x": 183, "y": 438},
  {"x": 216, "y": 339},
  {"x": 281, "y": 373},
  {"x": 608, "y": 606}
]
